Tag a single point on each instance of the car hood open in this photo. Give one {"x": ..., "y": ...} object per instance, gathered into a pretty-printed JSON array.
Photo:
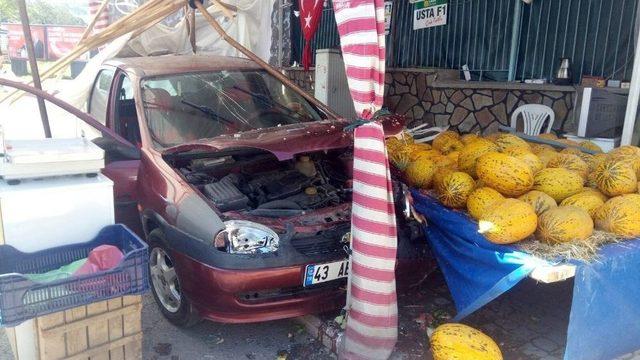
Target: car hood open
[{"x": 283, "y": 141}]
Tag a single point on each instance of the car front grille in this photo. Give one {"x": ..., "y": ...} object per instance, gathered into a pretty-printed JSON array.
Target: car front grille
[
  {"x": 263, "y": 296},
  {"x": 324, "y": 242}
]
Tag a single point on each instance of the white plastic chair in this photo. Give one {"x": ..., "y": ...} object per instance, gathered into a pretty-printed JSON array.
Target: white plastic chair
[
  {"x": 420, "y": 132},
  {"x": 534, "y": 117}
]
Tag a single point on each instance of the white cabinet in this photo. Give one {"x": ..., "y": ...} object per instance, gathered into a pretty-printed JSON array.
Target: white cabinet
[{"x": 38, "y": 214}]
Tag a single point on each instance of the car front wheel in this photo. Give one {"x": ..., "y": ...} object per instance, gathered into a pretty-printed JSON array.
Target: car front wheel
[{"x": 165, "y": 284}]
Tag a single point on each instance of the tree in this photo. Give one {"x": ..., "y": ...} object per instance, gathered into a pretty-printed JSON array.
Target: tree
[
  {"x": 40, "y": 12},
  {"x": 8, "y": 11}
]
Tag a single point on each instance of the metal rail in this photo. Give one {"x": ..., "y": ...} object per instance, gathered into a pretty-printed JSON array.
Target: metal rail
[{"x": 506, "y": 39}]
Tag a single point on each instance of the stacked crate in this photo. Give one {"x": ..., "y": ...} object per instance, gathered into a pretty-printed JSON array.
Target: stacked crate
[{"x": 106, "y": 330}]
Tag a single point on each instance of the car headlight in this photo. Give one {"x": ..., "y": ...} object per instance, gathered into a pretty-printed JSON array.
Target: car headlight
[{"x": 246, "y": 237}]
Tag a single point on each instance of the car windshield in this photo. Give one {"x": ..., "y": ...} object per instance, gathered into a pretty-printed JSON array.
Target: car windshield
[{"x": 189, "y": 107}]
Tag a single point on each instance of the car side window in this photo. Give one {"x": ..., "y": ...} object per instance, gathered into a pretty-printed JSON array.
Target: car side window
[
  {"x": 125, "y": 119},
  {"x": 100, "y": 95}
]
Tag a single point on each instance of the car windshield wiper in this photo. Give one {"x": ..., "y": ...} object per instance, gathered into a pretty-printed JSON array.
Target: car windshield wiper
[
  {"x": 207, "y": 111},
  {"x": 266, "y": 101}
]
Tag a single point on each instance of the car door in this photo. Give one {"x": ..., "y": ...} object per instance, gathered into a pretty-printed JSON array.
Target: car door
[{"x": 111, "y": 103}]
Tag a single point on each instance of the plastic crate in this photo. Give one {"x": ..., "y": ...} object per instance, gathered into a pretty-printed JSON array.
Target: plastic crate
[{"x": 22, "y": 299}]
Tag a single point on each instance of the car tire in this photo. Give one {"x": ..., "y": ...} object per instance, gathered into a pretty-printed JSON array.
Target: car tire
[{"x": 165, "y": 284}]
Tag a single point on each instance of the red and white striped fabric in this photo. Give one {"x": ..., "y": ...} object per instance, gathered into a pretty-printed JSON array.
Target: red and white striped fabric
[
  {"x": 361, "y": 28},
  {"x": 372, "y": 317},
  {"x": 372, "y": 310},
  {"x": 103, "y": 20}
]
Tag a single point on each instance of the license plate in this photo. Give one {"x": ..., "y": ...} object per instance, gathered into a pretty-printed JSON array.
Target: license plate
[{"x": 319, "y": 273}]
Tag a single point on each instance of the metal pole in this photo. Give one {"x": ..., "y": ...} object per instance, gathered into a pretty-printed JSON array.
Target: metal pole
[
  {"x": 26, "y": 29},
  {"x": 515, "y": 36},
  {"x": 634, "y": 96}
]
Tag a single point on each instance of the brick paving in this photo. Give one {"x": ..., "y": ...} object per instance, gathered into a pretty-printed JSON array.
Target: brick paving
[{"x": 528, "y": 323}]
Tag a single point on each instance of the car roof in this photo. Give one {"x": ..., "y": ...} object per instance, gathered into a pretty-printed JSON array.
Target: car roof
[{"x": 149, "y": 66}]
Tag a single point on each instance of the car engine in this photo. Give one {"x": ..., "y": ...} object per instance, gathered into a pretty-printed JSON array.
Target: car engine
[{"x": 267, "y": 187}]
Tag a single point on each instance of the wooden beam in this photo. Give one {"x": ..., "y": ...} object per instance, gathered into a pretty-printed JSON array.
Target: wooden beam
[{"x": 33, "y": 63}]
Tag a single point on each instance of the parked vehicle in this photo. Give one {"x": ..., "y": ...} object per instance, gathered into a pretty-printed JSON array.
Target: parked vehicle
[{"x": 241, "y": 185}]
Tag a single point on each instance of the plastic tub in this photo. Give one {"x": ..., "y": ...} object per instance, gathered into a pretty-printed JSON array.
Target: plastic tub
[{"x": 22, "y": 299}]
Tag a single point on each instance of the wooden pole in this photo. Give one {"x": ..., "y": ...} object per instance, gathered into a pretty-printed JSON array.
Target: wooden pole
[
  {"x": 192, "y": 28},
  {"x": 89, "y": 28},
  {"x": 26, "y": 29},
  {"x": 263, "y": 64}
]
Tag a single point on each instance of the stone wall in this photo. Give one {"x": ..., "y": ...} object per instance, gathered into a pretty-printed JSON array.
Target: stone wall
[{"x": 433, "y": 97}]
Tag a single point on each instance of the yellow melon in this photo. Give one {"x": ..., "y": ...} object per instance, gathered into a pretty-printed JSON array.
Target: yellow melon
[
  {"x": 564, "y": 224},
  {"x": 548, "y": 136},
  {"x": 426, "y": 154},
  {"x": 508, "y": 221},
  {"x": 526, "y": 156},
  {"x": 444, "y": 161},
  {"x": 559, "y": 183},
  {"x": 420, "y": 173},
  {"x": 492, "y": 137},
  {"x": 453, "y": 156},
  {"x": 447, "y": 142},
  {"x": 589, "y": 201},
  {"x": 481, "y": 200},
  {"x": 468, "y": 138},
  {"x": 470, "y": 154},
  {"x": 594, "y": 161},
  {"x": 505, "y": 141},
  {"x": 540, "y": 201},
  {"x": 508, "y": 175},
  {"x": 536, "y": 148},
  {"x": 568, "y": 142},
  {"x": 570, "y": 150},
  {"x": 596, "y": 192},
  {"x": 461, "y": 342},
  {"x": 620, "y": 215},
  {"x": 615, "y": 178},
  {"x": 631, "y": 160},
  {"x": 439, "y": 175},
  {"x": 590, "y": 145},
  {"x": 399, "y": 160},
  {"x": 625, "y": 150},
  {"x": 455, "y": 189},
  {"x": 546, "y": 156},
  {"x": 569, "y": 162}
]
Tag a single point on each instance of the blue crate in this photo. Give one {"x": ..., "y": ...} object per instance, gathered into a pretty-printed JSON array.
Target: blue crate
[{"x": 22, "y": 299}]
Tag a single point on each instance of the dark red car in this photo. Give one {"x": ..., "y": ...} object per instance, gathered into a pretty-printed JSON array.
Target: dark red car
[{"x": 242, "y": 185}]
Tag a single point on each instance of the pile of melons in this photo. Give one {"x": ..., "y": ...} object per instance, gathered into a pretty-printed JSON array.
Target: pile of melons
[{"x": 515, "y": 189}]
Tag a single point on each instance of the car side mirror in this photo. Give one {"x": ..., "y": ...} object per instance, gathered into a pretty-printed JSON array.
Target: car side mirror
[{"x": 115, "y": 150}]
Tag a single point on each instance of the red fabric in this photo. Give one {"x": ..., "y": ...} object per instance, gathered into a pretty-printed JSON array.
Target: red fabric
[
  {"x": 310, "y": 15},
  {"x": 102, "y": 258}
]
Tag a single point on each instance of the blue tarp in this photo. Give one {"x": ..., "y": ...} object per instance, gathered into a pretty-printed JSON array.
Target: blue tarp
[{"x": 605, "y": 312}]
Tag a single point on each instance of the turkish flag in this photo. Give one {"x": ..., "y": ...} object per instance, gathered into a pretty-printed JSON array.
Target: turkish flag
[{"x": 310, "y": 15}]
